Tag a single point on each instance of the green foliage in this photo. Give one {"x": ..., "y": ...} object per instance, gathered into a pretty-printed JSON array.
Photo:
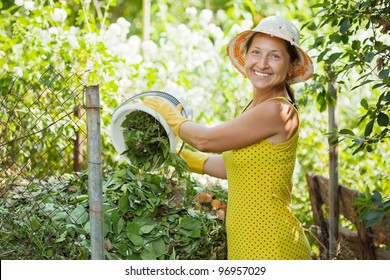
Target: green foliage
[
  {"x": 356, "y": 47},
  {"x": 155, "y": 214},
  {"x": 372, "y": 208},
  {"x": 44, "y": 219},
  {"x": 146, "y": 140},
  {"x": 351, "y": 50},
  {"x": 146, "y": 216}
]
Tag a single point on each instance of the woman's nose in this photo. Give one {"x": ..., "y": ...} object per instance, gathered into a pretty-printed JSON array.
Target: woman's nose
[{"x": 262, "y": 63}]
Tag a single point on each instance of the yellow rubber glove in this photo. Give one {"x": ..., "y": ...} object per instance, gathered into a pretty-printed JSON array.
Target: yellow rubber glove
[
  {"x": 194, "y": 160},
  {"x": 171, "y": 115}
]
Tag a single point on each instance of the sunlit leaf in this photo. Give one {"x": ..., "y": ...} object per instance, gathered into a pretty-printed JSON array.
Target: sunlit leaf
[
  {"x": 79, "y": 215},
  {"x": 136, "y": 239},
  {"x": 345, "y": 25},
  {"x": 383, "y": 119},
  {"x": 364, "y": 103},
  {"x": 369, "y": 57},
  {"x": 333, "y": 57},
  {"x": 347, "y": 131},
  {"x": 369, "y": 127},
  {"x": 384, "y": 74},
  {"x": 376, "y": 197}
]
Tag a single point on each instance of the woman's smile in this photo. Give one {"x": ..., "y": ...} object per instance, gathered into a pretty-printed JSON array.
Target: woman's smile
[{"x": 267, "y": 62}]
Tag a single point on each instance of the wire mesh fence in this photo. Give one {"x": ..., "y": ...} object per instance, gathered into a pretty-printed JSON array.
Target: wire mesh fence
[{"x": 43, "y": 164}]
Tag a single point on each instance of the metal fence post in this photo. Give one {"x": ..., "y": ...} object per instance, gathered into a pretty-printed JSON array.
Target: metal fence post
[{"x": 95, "y": 172}]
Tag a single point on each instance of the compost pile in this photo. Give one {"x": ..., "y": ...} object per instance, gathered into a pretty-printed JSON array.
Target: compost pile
[
  {"x": 146, "y": 216},
  {"x": 146, "y": 140},
  {"x": 155, "y": 216}
]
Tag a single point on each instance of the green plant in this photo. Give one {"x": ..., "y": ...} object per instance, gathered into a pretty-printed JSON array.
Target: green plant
[
  {"x": 372, "y": 208},
  {"x": 152, "y": 217},
  {"x": 146, "y": 140},
  {"x": 354, "y": 49},
  {"x": 146, "y": 216},
  {"x": 44, "y": 219}
]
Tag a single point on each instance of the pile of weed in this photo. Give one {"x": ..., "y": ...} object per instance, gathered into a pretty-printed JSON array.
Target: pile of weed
[
  {"x": 146, "y": 140},
  {"x": 146, "y": 216}
]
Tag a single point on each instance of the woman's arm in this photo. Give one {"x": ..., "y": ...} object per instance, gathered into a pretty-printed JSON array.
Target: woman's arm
[
  {"x": 265, "y": 120},
  {"x": 214, "y": 166}
]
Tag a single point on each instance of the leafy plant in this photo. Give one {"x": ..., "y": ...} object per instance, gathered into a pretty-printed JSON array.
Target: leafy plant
[
  {"x": 146, "y": 216},
  {"x": 345, "y": 56},
  {"x": 152, "y": 217},
  {"x": 146, "y": 140},
  {"x": 372, "y": 208},
  {"x": 44, "y": 219}
]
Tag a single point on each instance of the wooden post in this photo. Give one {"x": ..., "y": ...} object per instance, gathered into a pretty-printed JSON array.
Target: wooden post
[
  {"x": 333, "y": 171},
  {"x": 146, "y": 20},
  {"x": 77, "y": 145}
]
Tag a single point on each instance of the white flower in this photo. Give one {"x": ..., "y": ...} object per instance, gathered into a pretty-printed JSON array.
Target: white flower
[
  {"x": 91, "y": 38},
  {"x": 221, "y": 15},
  {"x": 29, "y": 5},
  {"x": 5, "y": 66},
  {"x": 205, "y": 16},
  {"x": 114, "y": 30},
  {"x": 75, "y": 31},
  {"x": 59, "y": 15},
  {"x": 43, "y": 35},
  {"x": 150, "y": 49},
  {"x": 73, "y": 41},
  {"x": 114, "y": 34},
  {"x": 125, "y": 82},
  {"x": 19, "y": 2},
  {"x": 191, "y": 11},
  {"x": 124, "y": 24},
  {"x": 18, "y": 71},
  {"x": 247, "y": 24},
  {"x": 17, "y": 49},
  {"x": 134, "y": 42},
  {"x": 216, "y": 31},
  {"x": 53, "y": 30},
  {"x": 90, "y": 65}
]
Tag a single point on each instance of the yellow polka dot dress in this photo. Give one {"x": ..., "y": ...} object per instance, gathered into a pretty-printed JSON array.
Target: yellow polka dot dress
[{"x": 259, "y": 222}]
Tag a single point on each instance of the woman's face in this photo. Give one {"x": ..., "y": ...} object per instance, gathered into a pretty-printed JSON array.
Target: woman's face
[{"x": 267, "y": 62}]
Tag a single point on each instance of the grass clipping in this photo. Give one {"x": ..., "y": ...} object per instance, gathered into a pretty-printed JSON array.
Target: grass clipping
[{"x": 146, "y": 140}]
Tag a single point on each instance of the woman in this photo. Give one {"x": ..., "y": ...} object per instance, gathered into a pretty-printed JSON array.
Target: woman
[{"x": 258, "y": 147}]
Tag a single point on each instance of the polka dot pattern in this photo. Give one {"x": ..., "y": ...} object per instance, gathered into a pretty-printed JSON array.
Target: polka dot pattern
[{"x": 259, "y": 222}]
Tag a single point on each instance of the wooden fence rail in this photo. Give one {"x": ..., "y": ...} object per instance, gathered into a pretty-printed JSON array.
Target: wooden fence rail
[{"x": 361, "y": 243}]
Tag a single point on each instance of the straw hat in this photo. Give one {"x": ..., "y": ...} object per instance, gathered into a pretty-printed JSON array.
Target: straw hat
[{"x": 278, "y": 27}]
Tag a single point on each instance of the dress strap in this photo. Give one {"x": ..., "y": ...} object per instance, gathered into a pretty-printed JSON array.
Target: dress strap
[
  {"x": 284, "y": 98},
  {"x": 277, "y": 97},
  {"x": 287, "y": 100},
  {"x": 246, "y": 106}
]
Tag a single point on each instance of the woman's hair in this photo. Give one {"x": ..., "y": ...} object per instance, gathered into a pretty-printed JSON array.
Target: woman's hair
[{"x": 293, "y": 53}]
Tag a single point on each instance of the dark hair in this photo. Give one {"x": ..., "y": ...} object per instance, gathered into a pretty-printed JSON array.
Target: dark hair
[{"x": 293, "y": 53}]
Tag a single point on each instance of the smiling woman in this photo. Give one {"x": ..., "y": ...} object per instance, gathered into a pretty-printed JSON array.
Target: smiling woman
[
  {"x": 258, "y": 147},
  {"x": 267, "y": 63},
  {"x": 280, "y": 56}
]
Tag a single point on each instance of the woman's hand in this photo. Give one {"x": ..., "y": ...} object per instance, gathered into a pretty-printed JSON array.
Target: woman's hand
[
  {"x": 171, "y": 114},
  {"x": 194, "y": 160}
]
